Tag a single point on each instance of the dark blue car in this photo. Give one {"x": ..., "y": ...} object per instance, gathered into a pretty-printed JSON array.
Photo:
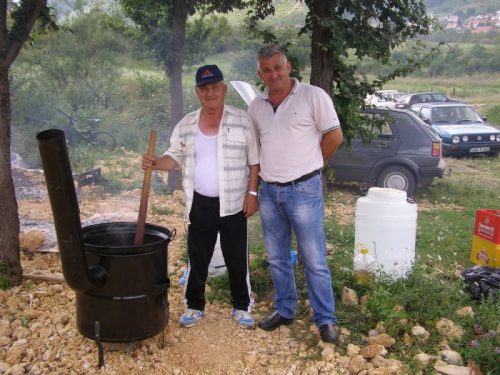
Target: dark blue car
[{"x": 460, "y": 127}]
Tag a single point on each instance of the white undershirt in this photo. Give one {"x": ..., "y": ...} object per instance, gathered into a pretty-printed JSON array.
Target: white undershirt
[{"x": 206, "y": 176}]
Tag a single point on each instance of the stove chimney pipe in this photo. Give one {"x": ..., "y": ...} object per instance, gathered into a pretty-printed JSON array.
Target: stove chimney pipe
[{"x": 62, "y": 195}]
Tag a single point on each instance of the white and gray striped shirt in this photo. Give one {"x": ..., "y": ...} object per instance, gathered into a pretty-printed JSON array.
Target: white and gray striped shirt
[{"x": 237, "y": 148}]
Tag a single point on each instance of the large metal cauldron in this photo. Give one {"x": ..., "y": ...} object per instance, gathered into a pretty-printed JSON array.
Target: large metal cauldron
[
  {"x": 121, "y": 289},
  {"x": 132, "y": 304}
]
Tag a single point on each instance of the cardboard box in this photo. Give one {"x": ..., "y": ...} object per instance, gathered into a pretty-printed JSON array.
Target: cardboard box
[
  {"x": 485, "y": 253},
  {"x": 487, "y": 225}
]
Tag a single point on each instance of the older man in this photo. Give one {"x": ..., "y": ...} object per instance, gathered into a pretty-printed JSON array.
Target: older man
[
  {"x": 298, "y": 130},
  {"x": 219, "y": 155}
]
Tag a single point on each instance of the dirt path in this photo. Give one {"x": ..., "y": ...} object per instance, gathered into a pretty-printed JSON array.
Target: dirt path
[{"x": 38, "y": 329}]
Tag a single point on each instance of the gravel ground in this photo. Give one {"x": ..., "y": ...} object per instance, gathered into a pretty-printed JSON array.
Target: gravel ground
[{"x": 38, "y": 332}]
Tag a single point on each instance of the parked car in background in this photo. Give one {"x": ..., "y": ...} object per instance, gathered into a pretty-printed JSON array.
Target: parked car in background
[
  {"x": 460, "y": 127},
  {"x": 383, "y": 99},
  {"x": 407, "y": 100},
  {"x": 406, "y": 153}
]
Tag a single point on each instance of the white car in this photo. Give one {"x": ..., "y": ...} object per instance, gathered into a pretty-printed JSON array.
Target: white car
[{"x": 383, "y": 99}]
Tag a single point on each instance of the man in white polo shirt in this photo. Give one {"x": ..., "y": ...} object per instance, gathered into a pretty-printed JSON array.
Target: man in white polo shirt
[
  {"x": 299, "y": 131},
  {"x": 218, "y": 151}
]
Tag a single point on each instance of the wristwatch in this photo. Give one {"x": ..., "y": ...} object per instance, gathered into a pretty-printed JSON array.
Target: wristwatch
[{"x": 254, "y": 193}]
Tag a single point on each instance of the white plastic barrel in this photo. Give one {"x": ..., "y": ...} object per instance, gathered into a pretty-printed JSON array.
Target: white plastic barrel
[
  {"x": 386, "y": 224},
  {"x": 217, "y": 265}
]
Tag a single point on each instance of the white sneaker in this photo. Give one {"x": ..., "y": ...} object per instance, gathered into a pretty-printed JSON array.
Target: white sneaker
[
  {"x": 244, "y": 318},
  {"x": 190, "y": 317}
]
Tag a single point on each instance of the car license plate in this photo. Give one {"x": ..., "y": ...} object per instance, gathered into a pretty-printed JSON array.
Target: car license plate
[{"x": 479, "y": 149}]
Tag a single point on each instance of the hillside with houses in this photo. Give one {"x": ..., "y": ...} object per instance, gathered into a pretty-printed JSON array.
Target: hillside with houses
[{"x": 480, "y": 23}]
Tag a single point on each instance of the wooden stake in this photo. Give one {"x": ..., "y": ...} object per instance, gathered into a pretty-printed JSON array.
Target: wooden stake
[{"x": 143, "y": 208}]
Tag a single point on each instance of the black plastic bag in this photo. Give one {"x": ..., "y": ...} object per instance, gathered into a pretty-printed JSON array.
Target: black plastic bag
[{"x": 484, "y": 282}]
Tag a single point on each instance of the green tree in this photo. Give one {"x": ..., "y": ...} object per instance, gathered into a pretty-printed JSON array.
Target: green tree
[
  {"x": 363, "y": 28},
  {"x": 80, "y": 64},
  {"x": 16, "y": 23},
  {"x": 84, "y": 70},
  {"x": 164, "y": 23}
]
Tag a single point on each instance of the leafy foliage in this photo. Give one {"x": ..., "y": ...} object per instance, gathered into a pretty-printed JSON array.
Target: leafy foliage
[
  {"x": 4, "y": 283},
  {"x": 362, "y": 28},
  {"x": 493, "y": 114},
  {"x": 482, "y": 342}
]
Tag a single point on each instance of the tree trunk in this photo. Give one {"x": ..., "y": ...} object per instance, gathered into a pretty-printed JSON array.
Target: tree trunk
[
  {"x": 9, "y": 219},
  {"x": 174, "y": 68},
  {"x": 321, "y": 61},
  {"x": 10, "y": 46}
]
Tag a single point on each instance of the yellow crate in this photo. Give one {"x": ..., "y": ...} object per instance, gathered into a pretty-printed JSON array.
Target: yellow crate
[{"x": 485, "y": 253}]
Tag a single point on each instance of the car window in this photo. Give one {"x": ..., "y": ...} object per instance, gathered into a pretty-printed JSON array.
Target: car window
[
  {"x": 425, "y": 98},
  {"x": 466, "y": 114},
  {"x": 444, "y": 115},
  {"x": 403, "y": 98},
  {"x": 415, "y": 99},
  {"x": 384, "y": 132},
  {"x": 425, "y": 114},
  {"x": 415, "y": 108},
  {"x": 439, "y": 98},
  {"x": 454, "y": 115}
]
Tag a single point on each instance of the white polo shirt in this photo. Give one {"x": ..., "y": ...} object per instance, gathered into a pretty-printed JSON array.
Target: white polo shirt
[{"x": 290, "y": 138}]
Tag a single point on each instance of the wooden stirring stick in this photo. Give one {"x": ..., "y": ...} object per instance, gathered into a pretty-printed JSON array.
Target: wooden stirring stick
[{"x": 143, "y": 208}]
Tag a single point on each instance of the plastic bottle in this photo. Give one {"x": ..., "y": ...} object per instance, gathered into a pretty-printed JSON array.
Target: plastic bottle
[
  {"x": 386, "y": 224},
  {"x": 364, "y": 265},
  {"x": 183, "y": 280}
]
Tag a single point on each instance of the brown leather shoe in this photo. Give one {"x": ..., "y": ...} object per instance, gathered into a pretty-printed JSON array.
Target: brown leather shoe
[
  {"x": 329, "y": 333},
  {"x": 273, "y": 321}
]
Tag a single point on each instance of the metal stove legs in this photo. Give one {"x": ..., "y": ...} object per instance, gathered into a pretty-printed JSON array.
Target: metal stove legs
[{"x": 98, "y": 342}]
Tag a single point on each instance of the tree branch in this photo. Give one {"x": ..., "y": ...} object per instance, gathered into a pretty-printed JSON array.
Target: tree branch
[{"x": 29, "y": 12}]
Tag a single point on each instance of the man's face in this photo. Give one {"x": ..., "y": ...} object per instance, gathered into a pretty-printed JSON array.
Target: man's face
[
  {"x": 275, "y": 72},
  {"x": 211, "y": 95}
]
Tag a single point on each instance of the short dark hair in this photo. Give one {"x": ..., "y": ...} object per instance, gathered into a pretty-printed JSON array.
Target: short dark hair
[{"x": 269, "y": 50}]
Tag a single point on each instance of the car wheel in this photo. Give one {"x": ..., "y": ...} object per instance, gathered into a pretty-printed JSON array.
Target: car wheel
[{"x": 398, "y": 178}]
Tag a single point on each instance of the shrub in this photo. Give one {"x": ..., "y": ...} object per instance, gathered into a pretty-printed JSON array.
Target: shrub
[{"x": 4, "y": 284}]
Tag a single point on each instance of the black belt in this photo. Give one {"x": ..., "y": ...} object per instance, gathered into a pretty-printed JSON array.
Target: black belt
[{"x": 300, "y": 179}]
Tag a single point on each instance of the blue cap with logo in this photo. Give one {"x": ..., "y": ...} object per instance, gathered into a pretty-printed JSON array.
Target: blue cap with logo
[{"x": 208, "y": 74}]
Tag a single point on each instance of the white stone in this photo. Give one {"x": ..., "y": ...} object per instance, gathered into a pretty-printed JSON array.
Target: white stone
[
  {"x": 465, "y": 312},
  {"x": 420, "y": 332},
  {"x": 447, "y": 369},
  {"x": 349, "y": 297},
  {"x": 32, "y": 239},
  {"x": 352, "y": 350},
  {"x": 451, "y": 357},
  {"x": 327, "y": 354},
  {"x": 423, "y": 359},
  {"x": 5, "y": 329},
  {"x": 15, "y": 370},
  {"x": 449, "y": 329}
]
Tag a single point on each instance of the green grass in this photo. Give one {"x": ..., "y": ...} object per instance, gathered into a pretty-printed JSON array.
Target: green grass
[
  {"x": 432, "y": 291},
  {"x": 165, "y": 211},
  {"x": 4, "y": 283}
]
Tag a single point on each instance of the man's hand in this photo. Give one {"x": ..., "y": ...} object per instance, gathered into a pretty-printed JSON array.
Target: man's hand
[
  {"x": 148, "y": 161},
  {"x": 250, "y": 205},
  {"x": 165, "y": 163},
  {"x": 331, "y": 142}
]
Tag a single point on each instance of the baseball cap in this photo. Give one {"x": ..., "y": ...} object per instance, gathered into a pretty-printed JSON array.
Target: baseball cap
[{"x": 208, "y": 74}]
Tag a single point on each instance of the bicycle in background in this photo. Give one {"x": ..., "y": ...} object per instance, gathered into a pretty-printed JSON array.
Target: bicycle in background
[{"x": 100, "y": 139}]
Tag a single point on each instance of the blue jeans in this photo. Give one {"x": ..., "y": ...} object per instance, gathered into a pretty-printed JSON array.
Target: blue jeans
[{"x": 298, "y": 207}]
